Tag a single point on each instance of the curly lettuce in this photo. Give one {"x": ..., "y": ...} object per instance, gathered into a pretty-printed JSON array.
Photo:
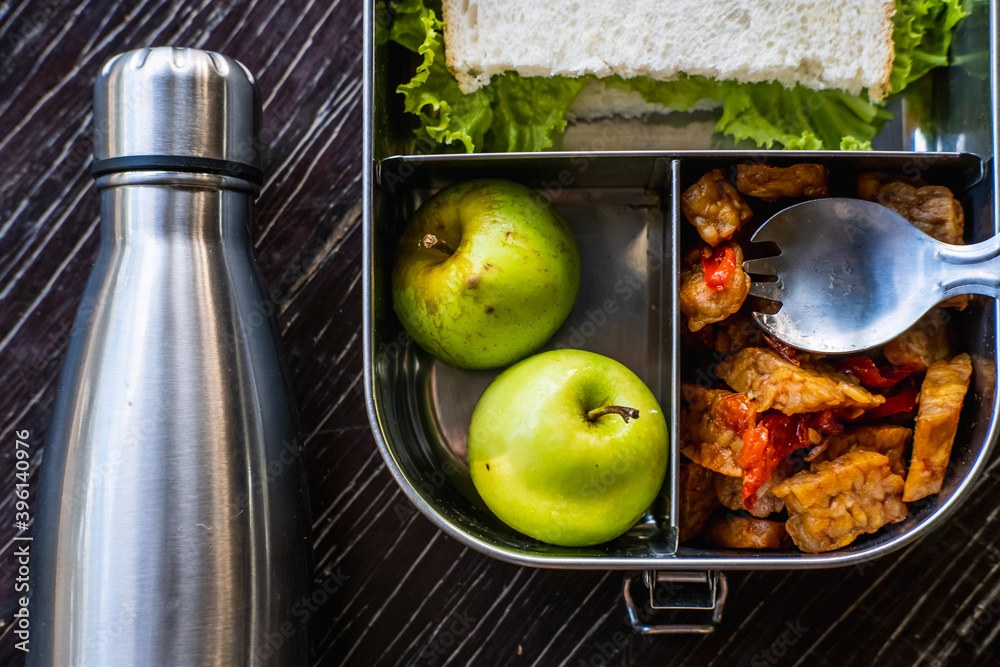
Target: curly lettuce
[
  {"x": 922, "y": 32},
  {"x": 515, "y": 113},
  {"x": 512, "y": 113}
]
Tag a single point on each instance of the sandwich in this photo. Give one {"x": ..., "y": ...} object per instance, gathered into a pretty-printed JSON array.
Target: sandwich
[{"x": 505, "y": 75}]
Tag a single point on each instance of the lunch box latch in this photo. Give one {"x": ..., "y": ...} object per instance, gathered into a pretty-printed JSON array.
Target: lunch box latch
[{"x": 676, "y": 591}]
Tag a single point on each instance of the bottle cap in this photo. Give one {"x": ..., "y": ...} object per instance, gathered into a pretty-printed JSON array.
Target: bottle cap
[{"x": 177, "y": 109}]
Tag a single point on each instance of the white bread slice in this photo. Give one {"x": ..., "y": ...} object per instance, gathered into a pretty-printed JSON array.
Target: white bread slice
[{"x": 820, "y": 44}]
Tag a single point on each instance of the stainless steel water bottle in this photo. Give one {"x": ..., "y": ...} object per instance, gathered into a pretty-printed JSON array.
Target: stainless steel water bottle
[{"x": 172, "y": 526}]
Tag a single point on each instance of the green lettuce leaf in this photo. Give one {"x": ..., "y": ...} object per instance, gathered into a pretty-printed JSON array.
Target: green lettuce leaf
[
  {"x": 798, "y": 118},
  {"x": 529, "y": 112},
  {"x": 512, "y": 113},
  {"x": 681, "y": 94},
  {"x": 768, "y": 113},
  {"x": 447, "y": 115},
  {"x": 922, "y": 32},
  {"x": 515, "y": 113}
]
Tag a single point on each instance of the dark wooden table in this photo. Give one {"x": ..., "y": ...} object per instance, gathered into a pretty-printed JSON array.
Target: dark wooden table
[{"x": 406, "y": 593}]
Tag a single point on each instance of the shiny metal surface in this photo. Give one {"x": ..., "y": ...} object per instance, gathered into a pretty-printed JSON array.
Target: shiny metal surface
[
  {"x": 173, "y": 525},
  {"x": 852, "y": 274},
  {"x": 176, "y": 101},
  {"x": 418, "y": 426},
  {"x": 955, "y": 111},
  {"x": 675, "y": 594}
]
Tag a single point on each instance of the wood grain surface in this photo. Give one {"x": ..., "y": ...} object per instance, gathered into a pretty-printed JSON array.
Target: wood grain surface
[{"x": 402, "y": 592}]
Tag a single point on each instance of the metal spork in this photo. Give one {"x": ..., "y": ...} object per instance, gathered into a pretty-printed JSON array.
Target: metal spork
[{"x": 853, "y": 274}]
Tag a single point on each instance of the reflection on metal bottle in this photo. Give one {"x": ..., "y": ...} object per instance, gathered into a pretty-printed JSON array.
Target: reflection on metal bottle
[{"x": 173, "y": 524}]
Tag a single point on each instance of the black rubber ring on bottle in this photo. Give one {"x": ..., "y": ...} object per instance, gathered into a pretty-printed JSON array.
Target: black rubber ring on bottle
[{"x": 177, "y": 163}]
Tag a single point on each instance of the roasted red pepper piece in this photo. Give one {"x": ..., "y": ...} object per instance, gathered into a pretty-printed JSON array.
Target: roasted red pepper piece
[
  {"x": 766, "y": 444},
  {"x": 904, "y": 401},
  {"x": 719, "y": 264},
  {"x": 756, "y": 459},
  {"x": 871, "y": 375},
  {"x": 737, "y": 412}
]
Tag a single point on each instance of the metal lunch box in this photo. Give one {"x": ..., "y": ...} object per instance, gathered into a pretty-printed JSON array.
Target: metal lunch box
[{"x": 618, "y": 183}]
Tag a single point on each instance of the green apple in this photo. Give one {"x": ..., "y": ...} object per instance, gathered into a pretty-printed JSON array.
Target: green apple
[
  {"x": 568, "y": 447},
  {"x": 485, "y": 273}
]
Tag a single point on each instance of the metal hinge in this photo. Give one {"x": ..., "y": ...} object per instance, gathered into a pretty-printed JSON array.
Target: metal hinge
[{"x": 705, "y": 591}]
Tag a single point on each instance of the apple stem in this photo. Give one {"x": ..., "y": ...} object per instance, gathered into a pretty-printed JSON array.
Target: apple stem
[
  {"x": 431, "y": 241},
  {"x": 625, "y": 413}
]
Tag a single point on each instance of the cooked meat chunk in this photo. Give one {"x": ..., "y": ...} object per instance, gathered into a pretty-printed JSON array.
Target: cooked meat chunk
[
  {"x": 831, "y": 505},
  {"x": 704, "y": 303},
  {"x": 927, "y": 341},
  {"x": 714, "y": 207},
  {"x": 697, "y": 499},
  {"x": 870, "y": 182},
  {"x": 736, "y": 333},
  {"x": 772, "y": 183},
  {"x": 739, "y": 532},
  {"x": 730, "y": 493},
  {"x": 772, "y": 382},
  {"x": 932, "y": 209},
  {"x": 941, "y": 396},
  {"x": 883, "y": 438},
  {"x": 711, "y": 423}
]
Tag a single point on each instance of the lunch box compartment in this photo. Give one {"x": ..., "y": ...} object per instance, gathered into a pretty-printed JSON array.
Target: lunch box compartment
[
  {"x": 619, "y": 210},
  {"x": 972, "y": 183},
  {"x": 624, "y": 212},
  {"x": 949, "y": 111},
  {"x": 622, "y": 202}
]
